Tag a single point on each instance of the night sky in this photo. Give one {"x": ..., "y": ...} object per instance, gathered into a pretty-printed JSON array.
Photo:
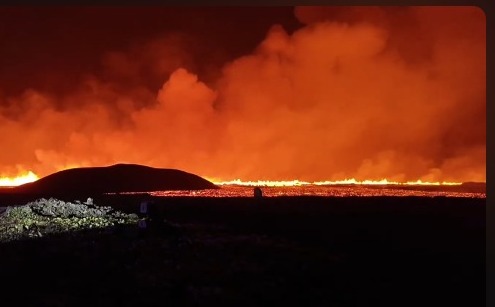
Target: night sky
[
  {"x": 50, "y": 47},
  {"x": 308, "y": 93}
]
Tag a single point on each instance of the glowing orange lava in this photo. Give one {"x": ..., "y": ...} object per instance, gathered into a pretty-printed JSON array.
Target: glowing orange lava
[
  {"x": 29, "y": 176},
  {"x": 292, "y": 183},
  {"x": 18, "y": 180}
]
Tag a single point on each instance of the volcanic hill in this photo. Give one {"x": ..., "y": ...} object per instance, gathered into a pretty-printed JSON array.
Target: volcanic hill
[{"x": 114, "y": 179}]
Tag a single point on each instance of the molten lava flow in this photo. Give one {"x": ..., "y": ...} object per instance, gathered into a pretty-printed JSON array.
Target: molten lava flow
[
  {"x": 352, "y": 181},
  {"x": 265, "y": 183},
  {"x": 18, "y": 180}
]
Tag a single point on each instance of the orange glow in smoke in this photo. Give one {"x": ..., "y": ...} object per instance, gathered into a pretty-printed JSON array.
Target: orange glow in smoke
[
  {"x": 355, "y": 92},
  {"x": 18, "y": 180}
]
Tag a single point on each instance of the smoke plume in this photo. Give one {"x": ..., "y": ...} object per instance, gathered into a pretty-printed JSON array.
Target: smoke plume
[{"x": 357, "y": 92}]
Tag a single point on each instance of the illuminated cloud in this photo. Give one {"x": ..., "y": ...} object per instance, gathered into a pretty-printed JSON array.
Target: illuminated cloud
[{"x": 355, "y": 93}]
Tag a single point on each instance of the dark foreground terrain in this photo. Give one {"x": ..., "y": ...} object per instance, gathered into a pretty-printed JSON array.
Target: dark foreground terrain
[{"x": 297, "y": 251}]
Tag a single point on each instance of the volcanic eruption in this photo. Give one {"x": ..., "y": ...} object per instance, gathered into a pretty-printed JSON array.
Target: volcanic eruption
[{"x": 358, "y": 93}]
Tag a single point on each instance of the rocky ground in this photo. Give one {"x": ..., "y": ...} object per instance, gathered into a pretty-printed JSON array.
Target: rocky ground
[
  {"x": 44, "y": 217},
  {"x": 201, "y": 252}
]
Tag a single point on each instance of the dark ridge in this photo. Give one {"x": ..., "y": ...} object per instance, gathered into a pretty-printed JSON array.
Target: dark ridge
[
  {"x": 114, "y": 179},
  {"x": 465, "y": 187},
  {"x": 477, "y": 187}
]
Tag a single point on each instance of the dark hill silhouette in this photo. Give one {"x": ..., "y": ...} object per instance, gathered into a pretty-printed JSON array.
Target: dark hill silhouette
[{"x": 113, "y": 179}]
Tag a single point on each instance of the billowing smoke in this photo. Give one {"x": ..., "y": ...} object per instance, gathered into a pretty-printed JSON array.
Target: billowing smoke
[{"x": 368, "y": 93}]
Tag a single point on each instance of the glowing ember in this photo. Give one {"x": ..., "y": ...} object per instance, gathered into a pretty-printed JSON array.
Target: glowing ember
[
  {"x": 19, "y": 180},
  {"x": 292, "y": 183},
  {"x": 326, "y": 191}
]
